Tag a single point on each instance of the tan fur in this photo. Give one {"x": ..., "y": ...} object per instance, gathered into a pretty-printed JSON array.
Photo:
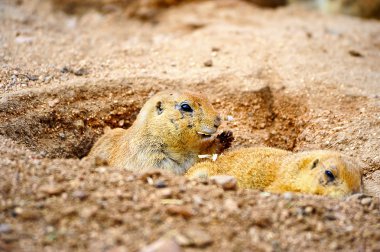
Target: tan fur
[
  {"x": 164, "y": 136},
  {"x": 276, "y": 170},
  {"x": 362, "y": 8}
]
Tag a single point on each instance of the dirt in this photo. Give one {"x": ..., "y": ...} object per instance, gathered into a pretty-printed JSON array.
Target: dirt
[{"x": 290, "y": 77}]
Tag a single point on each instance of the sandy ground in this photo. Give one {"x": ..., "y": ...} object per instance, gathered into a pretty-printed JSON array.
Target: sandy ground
[{"x": 291, "y": 78}]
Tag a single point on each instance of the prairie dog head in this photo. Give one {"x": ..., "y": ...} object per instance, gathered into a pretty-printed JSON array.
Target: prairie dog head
[
  {"x": 180, "y": 119},
  {"x": 322, "y": 172}
]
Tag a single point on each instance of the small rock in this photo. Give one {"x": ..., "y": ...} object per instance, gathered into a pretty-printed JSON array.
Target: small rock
[
  {"x": 330, "y": 217},
  {"x": 80, "y": 194},
  {"x": 215, "y": 49},
  {"x": 166, "y": 193},
  {"x": 182, "y": 240},
  {"x": 47, "y": 78},
  {"x": 5, "y": 228},
  {"x": 354, "y": 53},
  {"x": 24, "y": 40},
  {"x": 208, "y": 63},
  {"x": 198, "y": 238},
  {"x": 62, "y": 135},
  {"x": 88, "y": 212},
  {"x": 183, "y": 211},
  {"x": 261, "y": 219},
  {"x": 265, "y": 194},
  {"x": 229, "y": 118},
  {"x": 160, "y": 184},
  {"x": 65, "y": 69},
  {"x": 309, "y": 210},
  {"x": 333, "y": 245},
  {"x": 162, "y": 245},
  {"x": 68, "y": 211},
  {"x": 366, "y": 201},
  {"x": 32, "y": 77},
  {"x": 172, "y": 202},
  {"x": 101, "y": 169},
  {"x": 51, "y": 190},
  {"x": 225, "y": 181},
  {"x": 71, "y": 23},
  {"x": 288, "y": 195},
  {"x": 54, "y": 102},
  {"x": 194, "y": 24},
  {"x": 81, "y": 71},
  {"x": 79, "y": 124},
  {"x": 150, "y": 180},
  {"x": 197, "y": 200},
  {"x": 29, "y": 214}
]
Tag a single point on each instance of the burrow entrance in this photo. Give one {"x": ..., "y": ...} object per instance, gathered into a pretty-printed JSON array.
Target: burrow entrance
[{"x": 64, "y": 122}]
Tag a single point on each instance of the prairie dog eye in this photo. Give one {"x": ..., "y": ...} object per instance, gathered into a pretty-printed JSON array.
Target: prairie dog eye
[
  {"x": 330, "y": 175},
  {"x": 186, "y": 107}
]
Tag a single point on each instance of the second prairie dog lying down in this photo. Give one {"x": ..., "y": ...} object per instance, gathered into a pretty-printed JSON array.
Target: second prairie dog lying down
[
  {"x": 169, "y": 133},
  {"x": 318, "y": 172}
]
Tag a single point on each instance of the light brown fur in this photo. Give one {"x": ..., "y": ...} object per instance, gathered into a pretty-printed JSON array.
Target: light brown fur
[
  {"x": 165, "y": 136},
  {"x": 276, "y": 170}
]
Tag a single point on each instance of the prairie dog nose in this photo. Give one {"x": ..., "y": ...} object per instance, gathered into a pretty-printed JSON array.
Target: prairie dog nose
[{"x": 217, "y": 121}]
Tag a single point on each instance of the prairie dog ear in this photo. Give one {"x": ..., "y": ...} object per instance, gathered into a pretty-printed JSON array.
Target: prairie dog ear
[
  {"x": 159, "y": 108},
  {"x": 315, "y": 163}
]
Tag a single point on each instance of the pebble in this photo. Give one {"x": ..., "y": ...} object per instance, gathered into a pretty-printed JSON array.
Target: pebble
[
  {"x": 197, "y": 238},
  {"x": 33, "y": 77},
  {"x": 197, "y": 200},
  {"x": 52, "y": 103},
  {"x": 261, "y": 219},
  {"x": 183, "y": 211},
  {"x": 288, "y": 195},
  {"x": 208, "y": 63},
  {"x": 162, "y": 245},
  {"x": 225, "y": 181},
  {"x": 51, "y": 189},
  {"x": 355, "y": 53},
  {"x": 166, "y": 193},
  {"x": 28, "y": 214},
  {"x": 80, "y": 194},
  {"x": 366, "y": 201},
  {"x": 172, "y": 202},
  {"x": 47, "y": 78},
  {"x": 265, "y": 194},
  {"x": 5, "y": 228},
  {"x": 88, "y": 212},
  {"x": 160, "y": 184},
  {"x": 80, "y": 72},
  {"x": 308, "y": 210},
  {"x": 101, "y": 170},
  {"x": 62, "y": 135},
  {"x": 79, "y": 124},
  {"x": 229, "y": 118},
  {"x": 65, "y": 69},
  {"x": 24, "y": 40}
]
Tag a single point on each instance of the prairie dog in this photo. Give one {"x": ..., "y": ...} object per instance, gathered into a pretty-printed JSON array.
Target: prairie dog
[
  {"x": 169, "y": 133},
  {"x": 319, "y": 172}
]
